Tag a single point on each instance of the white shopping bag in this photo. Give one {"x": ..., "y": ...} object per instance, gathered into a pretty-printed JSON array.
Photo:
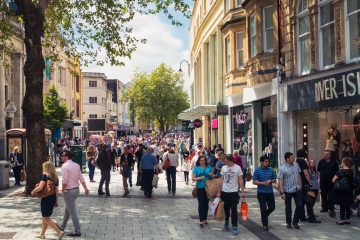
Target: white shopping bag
[{"x": 214, "y": 205}]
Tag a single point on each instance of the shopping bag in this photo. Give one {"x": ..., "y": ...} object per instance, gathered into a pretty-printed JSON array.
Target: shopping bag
[
  {"x": 23, "y": 176},
  {"x": 117, "y": 160},
  {"x": 212, "y": 187},
  {"x": 214, "y": 205},
  {"x": 244, "y": 209},
  {"x": 155, "y": 181},
  {"x": 220, "y": 212},
  {"x": 139, "y": 179}
]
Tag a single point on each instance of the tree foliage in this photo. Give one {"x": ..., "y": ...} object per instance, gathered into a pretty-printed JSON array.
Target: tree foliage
[
  {"x": 55, "y": 114},
  {"x": 157, "y": 96},
  {"x": 81, "y": 28}
]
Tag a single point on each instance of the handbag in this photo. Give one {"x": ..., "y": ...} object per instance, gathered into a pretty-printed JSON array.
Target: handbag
[
  {"x": 310, "y": 197},
  {"x": 166, "y": 164},
  {"x": 220, "y": 212},
  {"x": 244, "y": 210},
  {"x": 23, "y": 176},
  {"x": 155, "y": 181},
  {"x": 117, "y": 160},
  {"x": 248, "y": 176},
  {"x": 194, "y": 192},
  {"x": 212, "y": 187},
  {"x": 48, "y": 190},
  {"x": 341, "y": 184}
]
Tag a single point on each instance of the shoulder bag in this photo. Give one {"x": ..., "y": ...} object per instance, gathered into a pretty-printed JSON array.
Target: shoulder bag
[
  {"x": 48, "y": 190},
  {"x": 166, "y": 164},
  {"x": 341, "y": 184},
  {"x": 194, "y": 191}
]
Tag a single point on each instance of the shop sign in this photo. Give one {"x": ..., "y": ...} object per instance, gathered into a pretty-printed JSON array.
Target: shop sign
[
  {"x": 187, "y": 125},
  {"x": 332, "y": 90},
  {"x": 240, "y": 117},
  {"x": 11, "y": 109},
  {"x": 214, "y": 123},
  {"x": 222, "y": 110},
  {"x": 197, "y": 123}
]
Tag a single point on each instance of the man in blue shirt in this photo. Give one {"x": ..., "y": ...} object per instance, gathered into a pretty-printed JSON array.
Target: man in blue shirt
[
  {"x": 264, "y": 176},
  {"x": 147, "y": 165}
]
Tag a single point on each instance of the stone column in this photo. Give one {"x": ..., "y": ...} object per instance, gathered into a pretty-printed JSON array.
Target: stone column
[{"x": 256, "y": 129}]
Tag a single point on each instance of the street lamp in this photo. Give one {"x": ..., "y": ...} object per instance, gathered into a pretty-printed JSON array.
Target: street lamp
[{"x": 188, "y": 66}]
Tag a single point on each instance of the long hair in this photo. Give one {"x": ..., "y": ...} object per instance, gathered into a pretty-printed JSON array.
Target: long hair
[
  {"x": 49, "y": 169},
  {"x": 312, "y": 169},
  {"x": 198, "y": 161}
]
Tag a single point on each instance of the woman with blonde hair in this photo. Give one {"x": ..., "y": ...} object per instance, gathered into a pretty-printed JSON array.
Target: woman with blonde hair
[
  {"x": 48, "y": 203},
  {"x": 18, "y": 164},
  {"x": 90, "y": 158}
]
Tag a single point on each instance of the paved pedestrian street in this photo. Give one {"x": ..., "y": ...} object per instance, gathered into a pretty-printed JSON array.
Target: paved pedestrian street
[{"x": 162, "y": 217}]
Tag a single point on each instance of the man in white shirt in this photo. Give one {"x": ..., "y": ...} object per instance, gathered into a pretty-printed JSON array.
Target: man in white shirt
[{"x": 155, "y": 149}]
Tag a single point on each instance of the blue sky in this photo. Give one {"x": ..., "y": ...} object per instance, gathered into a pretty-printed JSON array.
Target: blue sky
[{"x": 165, "y": 44}]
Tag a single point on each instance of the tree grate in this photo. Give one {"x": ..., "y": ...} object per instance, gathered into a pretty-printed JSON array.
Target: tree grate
[{"x": 7, "y": 235}]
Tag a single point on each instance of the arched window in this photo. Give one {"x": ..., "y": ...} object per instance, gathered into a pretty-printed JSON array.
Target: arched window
[
  {"x": 327, "y": 34},
  {"x": 303, "y": 33},
  {"x": 352, "y": 29}
]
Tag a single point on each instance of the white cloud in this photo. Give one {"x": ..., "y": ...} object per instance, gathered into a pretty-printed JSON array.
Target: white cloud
[{"x": 163, "y": 46}]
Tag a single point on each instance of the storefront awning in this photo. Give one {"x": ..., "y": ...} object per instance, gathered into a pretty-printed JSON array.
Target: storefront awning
[
  {"x": 197, "y": 111},
  {"x": 259, "y": 91}
]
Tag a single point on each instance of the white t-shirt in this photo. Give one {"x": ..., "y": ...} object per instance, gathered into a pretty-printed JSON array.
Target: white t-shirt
[
  {"x": 231, "y": 178},
  {"x": 155, "y": 150}
]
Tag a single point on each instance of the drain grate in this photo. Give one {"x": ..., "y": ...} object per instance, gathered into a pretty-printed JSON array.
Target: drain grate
[{"x": 7, "y": 235}]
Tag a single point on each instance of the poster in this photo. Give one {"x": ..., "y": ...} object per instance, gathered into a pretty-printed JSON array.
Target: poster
[{"x": 13, "y": 142}]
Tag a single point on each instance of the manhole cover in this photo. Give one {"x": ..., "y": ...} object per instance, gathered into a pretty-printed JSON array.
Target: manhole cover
[{"x": 7, "y": 235}]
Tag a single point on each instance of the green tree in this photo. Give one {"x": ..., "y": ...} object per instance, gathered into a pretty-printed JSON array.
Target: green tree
[
  {"x": 55, "y": 114},
  {"x": 157, "y": 96},
  {"x": 81, "y": 28}
]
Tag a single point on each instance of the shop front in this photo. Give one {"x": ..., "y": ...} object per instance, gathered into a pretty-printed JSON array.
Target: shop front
[
  {"x": 326, "y": 110},
  {"x": 123, "y": 130}
]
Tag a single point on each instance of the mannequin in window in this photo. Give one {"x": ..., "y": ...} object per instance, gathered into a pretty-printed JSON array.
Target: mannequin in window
[
  {"x": 272, "y": 148},
  {"x": 333, "y": 142},
  {"x": 249, "y": 148},
  {"x": 347, "y": 151}
]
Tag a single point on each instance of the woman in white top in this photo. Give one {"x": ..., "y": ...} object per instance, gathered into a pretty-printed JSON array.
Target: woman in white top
[
  {"x": 186, "y": 168},
  {"x": 171, "y": 171}
]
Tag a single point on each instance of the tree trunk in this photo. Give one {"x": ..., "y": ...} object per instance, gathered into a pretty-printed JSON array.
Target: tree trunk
[{"x": 33, "y": 101}]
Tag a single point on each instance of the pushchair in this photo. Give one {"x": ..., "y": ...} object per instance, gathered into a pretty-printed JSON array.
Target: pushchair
[{"x": 356, "y": 205}]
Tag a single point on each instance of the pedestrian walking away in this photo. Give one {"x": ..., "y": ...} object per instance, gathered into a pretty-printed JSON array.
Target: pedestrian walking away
[
  {"x": 71, "y": 176},
  {"x": 90, "y": 158},
  {"x": 126, "y": 166},
  {"x": 186, "y": 169},
  {"x": 264, "y": 176},
  {"x": 171, "y": 171},
  {"x": 290, "y": 187},
  {"x": 201, "y": 173},
  {"x": 104, "y": 165},
  {"x": 147, "y": 166},
  {"x": 48, "y": 203},
  {"x": 231, "y": 176}
]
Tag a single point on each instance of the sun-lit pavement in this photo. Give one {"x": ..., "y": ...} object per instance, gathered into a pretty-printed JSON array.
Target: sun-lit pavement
[{"x": 162, "y": 217}]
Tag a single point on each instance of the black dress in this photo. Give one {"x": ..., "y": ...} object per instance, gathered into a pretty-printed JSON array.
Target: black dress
[
  {"x": 47, "y": 204},
  {"x": 345, "y": 198}
]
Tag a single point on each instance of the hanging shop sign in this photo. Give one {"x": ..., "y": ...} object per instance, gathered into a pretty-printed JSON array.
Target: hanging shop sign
[
  {"x": 197, "y": 123},
  {"x": 222, "y": 110},
  {"x": 332, "y": 90}
]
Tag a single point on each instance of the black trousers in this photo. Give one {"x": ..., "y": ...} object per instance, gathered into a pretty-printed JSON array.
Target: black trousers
[
  {"x": 231, "y": 200},
  {"x": 267, "y": 206},
  {"x": 17, "y": 173},
  {"x": 148, "y": 175},
  {"x": 327, "y": 196},
  {"x": 186, "y": 176},
  {"x": 171, "y": 178}
]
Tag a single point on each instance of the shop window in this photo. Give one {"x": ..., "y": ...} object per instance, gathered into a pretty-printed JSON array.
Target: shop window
[
  {"x": 240, "y": 49},
  {"x": 253, "y": 35},
  {"x": 48, "y": 69},
  {"x": 353, "y": 29},
  {"x": 77, "y": 108},
  {"x": 92, "y": 99},
  {"x": 228, "y": 55},
  {"x": 92, "y": 83},
  {"x": 327, "y": 34},
  {"x": 77, "y": 83},
  {"x": 303, "y": 37},
  {"x": 268, "y": 29}
]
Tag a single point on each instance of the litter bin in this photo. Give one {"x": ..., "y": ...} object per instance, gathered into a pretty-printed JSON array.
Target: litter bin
[
  {"x": 4, "y": 174},
  {"x": 77, "y": 151}
]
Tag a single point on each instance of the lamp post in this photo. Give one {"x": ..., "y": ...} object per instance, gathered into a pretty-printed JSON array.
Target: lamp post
[{"x": 188, "y": 66}]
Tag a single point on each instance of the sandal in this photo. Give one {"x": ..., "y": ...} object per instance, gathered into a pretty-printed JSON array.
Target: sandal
[
  {"x": 340, "y": 223},
  {"x": 205, "y": 222}
]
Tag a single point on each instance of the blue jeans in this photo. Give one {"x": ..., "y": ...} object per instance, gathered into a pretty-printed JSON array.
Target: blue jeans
[
  {"x": 203, "y": 204},
  {"x": 171, "y": 178},
  {"x": 105, "y": 177},
  {"x": 288, "y": 210},
  {"x": 91, "y": 170}
]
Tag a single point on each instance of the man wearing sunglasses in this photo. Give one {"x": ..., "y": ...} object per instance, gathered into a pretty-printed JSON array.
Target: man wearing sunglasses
[
  {"x": 71, "y": 175},
  {"x": 264, "y": 177}
]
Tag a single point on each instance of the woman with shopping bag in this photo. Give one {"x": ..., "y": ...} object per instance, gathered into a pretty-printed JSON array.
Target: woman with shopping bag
[{"x": 231, "y": 176}]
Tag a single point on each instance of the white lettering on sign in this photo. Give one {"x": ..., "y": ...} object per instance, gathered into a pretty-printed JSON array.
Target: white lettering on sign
[
  {"x": 241, "y": 117},
  {"x": 326, "y": 89}
]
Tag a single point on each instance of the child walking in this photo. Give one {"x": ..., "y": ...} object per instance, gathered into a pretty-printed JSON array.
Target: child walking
[{"x": 186, "y": 168}]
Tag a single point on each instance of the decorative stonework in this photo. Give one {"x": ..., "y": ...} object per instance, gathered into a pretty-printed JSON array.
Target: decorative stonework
[
  {"x": 338, "y": 31},
  {"x": 356, "y": 41},
  {"x": 312, "y": 42}
]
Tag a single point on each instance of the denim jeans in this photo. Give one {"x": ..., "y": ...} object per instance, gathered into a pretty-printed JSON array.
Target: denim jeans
[
  {"x": 288, "y": 210},
  {"x": 91, "y": 170},
  {"x": 267, "y": 206},
  {"x": 203, "y": 204},
  {"x": 105, "y": 177},
  {"x": 171, "y": 178},
  {"x": 309, "y": 206},
  {"x": 231, "y": 200},
  {"x": 186, "y": 176}
]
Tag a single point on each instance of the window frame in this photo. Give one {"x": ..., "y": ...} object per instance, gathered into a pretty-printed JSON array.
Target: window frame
[
  {"x": 238, "y": 49},
  {"x": 92, "y": 116},
  {"x": 93, "y": 100},
  {"x": 91, "y": 85},
  {"x": 228, "y": 53},
  {"x": 252, "y": 54},
  {"x": 227, "y": 6},
  {"x": 322, "y": 3},
  {"x": 299, "y": 15},
  {"x": 347, "y": 33},
  {"x": 266, "y": 49}
]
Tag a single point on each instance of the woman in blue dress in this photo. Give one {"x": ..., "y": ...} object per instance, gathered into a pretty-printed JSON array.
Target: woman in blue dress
[{"x": 48, "y": 203}]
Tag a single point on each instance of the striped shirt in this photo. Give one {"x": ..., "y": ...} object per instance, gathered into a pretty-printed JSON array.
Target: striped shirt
[
  {"x": 263, "y": 174},
  {"x": 289, "y": 175}
]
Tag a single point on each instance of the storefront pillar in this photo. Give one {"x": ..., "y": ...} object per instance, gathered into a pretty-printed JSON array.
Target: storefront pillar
[{"x": 255, "y": 138}]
